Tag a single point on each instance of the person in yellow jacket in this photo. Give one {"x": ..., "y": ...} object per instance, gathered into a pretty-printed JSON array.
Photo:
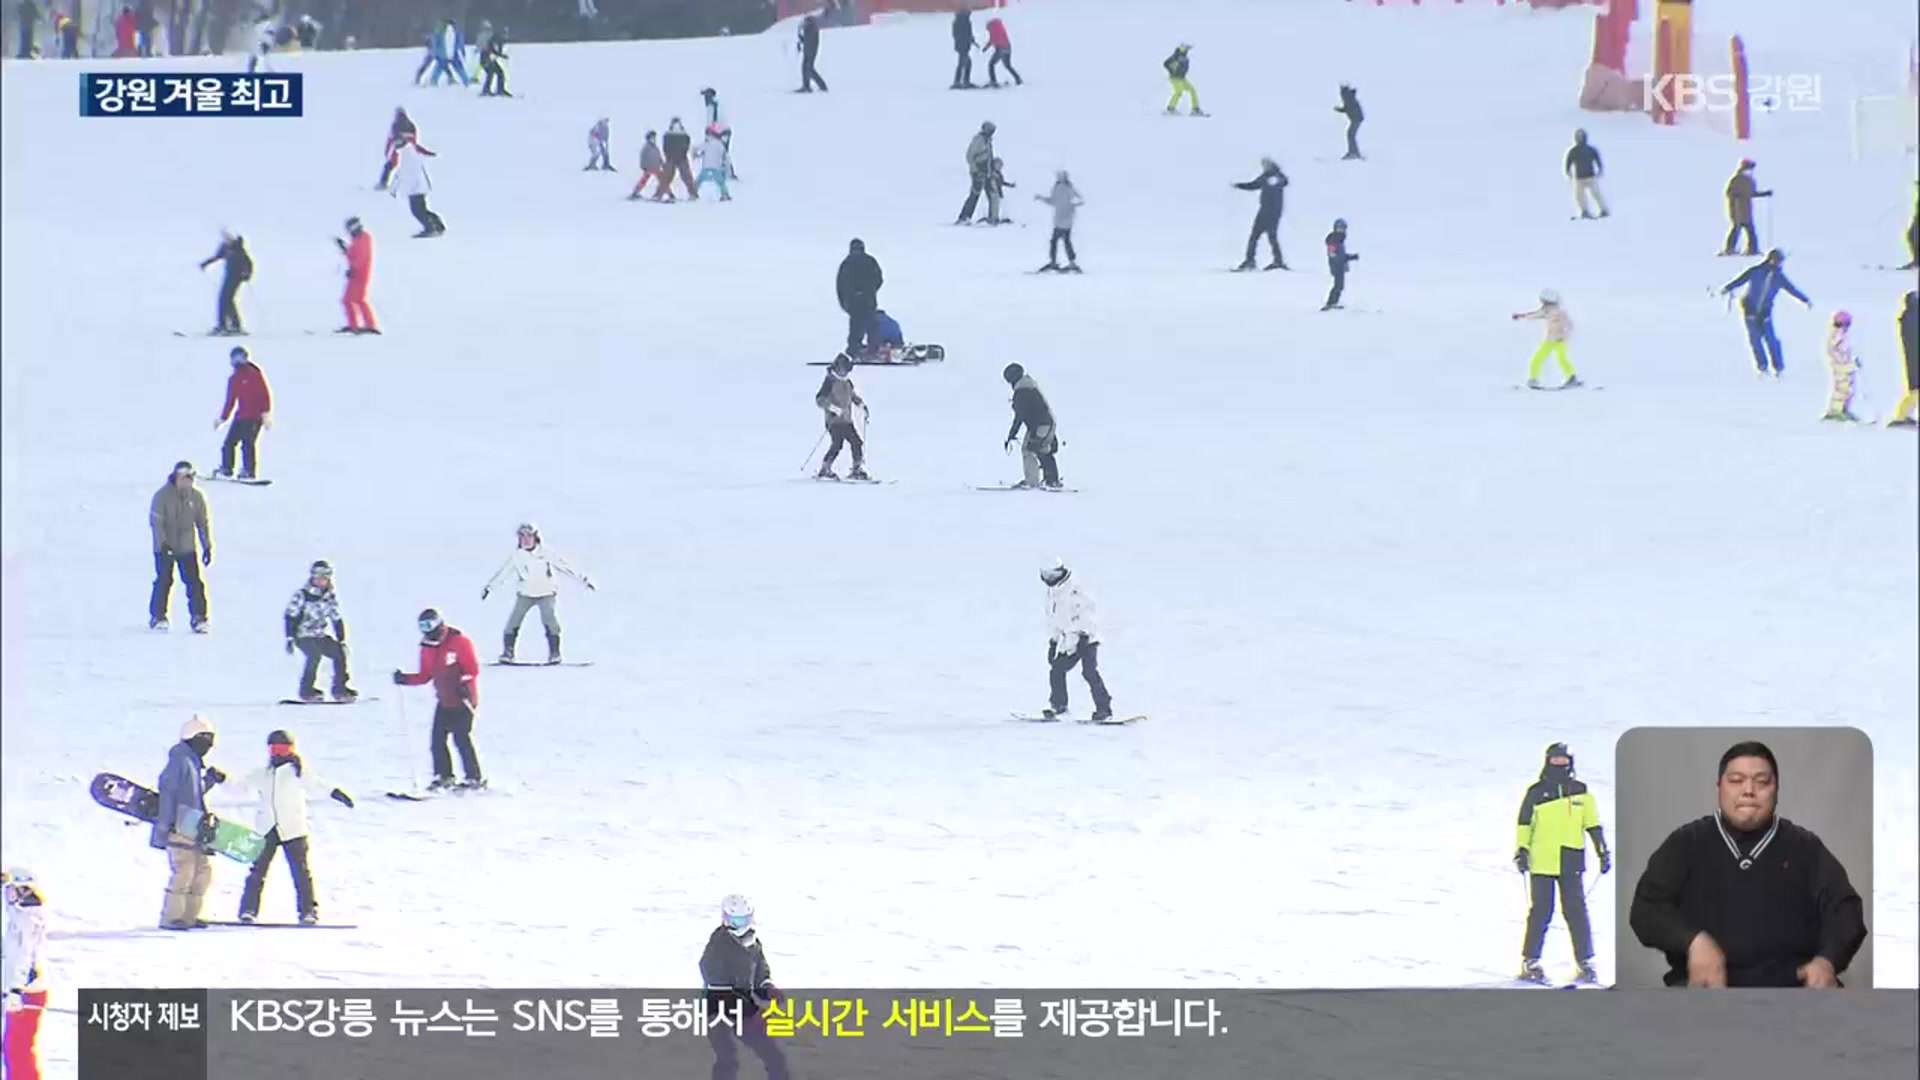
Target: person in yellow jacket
[{"x": 1557, "y": 814}]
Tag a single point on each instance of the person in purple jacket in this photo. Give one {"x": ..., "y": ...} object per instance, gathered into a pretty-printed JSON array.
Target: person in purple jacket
[{"x": 183, "y": 788}]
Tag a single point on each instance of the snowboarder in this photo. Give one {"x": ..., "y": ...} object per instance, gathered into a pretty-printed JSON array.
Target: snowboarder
[
  {"x": 714, "y": 165},
  {"x": 250, "y": 402},
  {"x": 23, "y": 972},
  {"x": 1741, "y": 191},
  {"x": 1350, "y": 108},
  {"x": 979, "y": 165},
  {"x": 534, "y": 568},
  {"x": 448, "y": 662},
  {"x": 653, "y": 166},
  {"x": 1002, "y": 46},
  {"x": 410, "y": 177},
  {"x": 1842, "y": 365},
  {"x": 1557, "y": 815},
  {"x": 358, "y": 249},
  {"x": 1559, "y": 329},
  {"x": 837, "y": 399},
  {"x": 493, "y": 67},
  {"x": 1904, "y": 414},
  {"x": 182, "y": 820},
  {"x": 963, "y": 45},
  {"x": 1584, "y": 167},
  {"x": 1338, "y": 257},
  {"x": 597, "y": 147},
  {"x": 1038, "y": 465},
  {"x": 1177, "y": 65},
  {"x": 402, "y": 127},
  {"x": 178, "y": 518},
  {"x": 679, "y": 147},
  {"x": 1066, "y": 202},
  {"x": 1913, "y": 232},
  {"x": 738, "y": 989},
  {"x": 858, "y": 287},
  {"x": 1073, "y": 640},
  {"x": 1272, "y": 186},
  {"x": 717, "y": 118},
  {"x": 315, "y": 628},
  {"x": 997, "y": 185},
  {"x": 236, "y": 268},
  {"x": 283, "y": 785},
  {"x": 1764, "y": 280},
  {"x": 887, "y": 334},
  {"x": 809, "y": 52}
]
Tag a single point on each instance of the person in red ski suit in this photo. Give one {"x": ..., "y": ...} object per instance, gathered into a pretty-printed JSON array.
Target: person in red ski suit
[
  {"x": 1002, "y": 46},
  {"x": 124, "y": 29},
  {"x": 447, "y": 660},
  {"x": 359, "y": 252},
  {"x": 250, "y": 403}
]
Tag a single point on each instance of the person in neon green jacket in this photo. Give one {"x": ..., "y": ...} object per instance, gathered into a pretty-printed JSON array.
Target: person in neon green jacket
[{"x": 1557, "y": 814}]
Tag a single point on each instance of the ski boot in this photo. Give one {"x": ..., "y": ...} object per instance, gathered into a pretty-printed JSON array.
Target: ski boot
[
  {"x": 859, "y": 473},
  {"x": 1073, "y": 268},
  {"x": 470, "y": 785},
  {"x": 312, "y": 697},
  {"x": 1572, "y": 381},
  {"x": 826, "y": 473},
  {"x": 1533, "y": 384},
  {"x": 1530, "y": 971},
  {"x": 1171, "y": 111},
  {"x": 1245, "y": 266},
  {"x": 1196, "y": 112},
  {"x": 1278, "y": 264},
  {"x": 1101, "y": 716},
  {"x": 1330, "y": 307},
  {"x": 1898, "y": 421},
  {"x": 1051, "y": 485},
  {"x": 246, "y": 474},
  {"x": 553, "y": 648},
  {"x": 1050, "y": 268},
  {"x": 506, "y": 648},
  {"x": 247, "y": 917},
  {"x": 223, "y": 473},
  {"x": 159, "y": 624},
  {"x": 309, "y": 918},
  {"x": 441, "y": 783},
  {"x": 345, "y": 694},
  {"x": 200, "y": 626},
  {"x": 1585, "y": 975}
]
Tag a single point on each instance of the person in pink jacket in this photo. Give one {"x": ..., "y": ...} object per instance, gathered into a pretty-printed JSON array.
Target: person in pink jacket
[{"x": 1002, "y": 48}]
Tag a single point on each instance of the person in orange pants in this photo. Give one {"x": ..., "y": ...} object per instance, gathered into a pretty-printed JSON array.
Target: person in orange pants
[
  {"x": 653, "y": 166},
  {"x": 359, "y": 252},
  {"x": 23, "y": 974}
]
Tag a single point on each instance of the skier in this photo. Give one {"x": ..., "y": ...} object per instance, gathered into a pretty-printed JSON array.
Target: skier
[
  {"x": 1038, "y": 464},
  {"x": 1338, "y": 257},
  {"x": 1177, "y": 65},
  {"x": 1584, "y": 167},
  {"x": 411, "y": 177},
  {"x": 1002, "y": 46},
  {"x": 447, "y": 661},
  {"x": 679, "y": 147},
  {"x": 402, "y": 127},
  {"x": 1272, "y": 186},
  {"x": 359, "y": 252},
  {"x": 1557, "y": 814},
  {"x": 125, "y": 34},
  {"x": 1763, "y": 280},
  {"x": 809, "y": 52},
  {"x": 315, "y": 628},
  {"x": 69, "y": 30},
  {"x": 1741, "y": 191},
  {"x": 23, "y": 968},
  {"x": 597, "y": 147},
  {"x": 717, "y": 118},
  {"x": 250, "y": 402},
  {"x": 178, "y": 517},
  {"x": 534, "y": 567},
  {"x": 858, "y": 287},
  {"x": 738, "y": 988},
  {"x": 1559, "y": 329},
  {"x": 181, "y": 820},
  {"x": 979, "y": 164},
  {"x": 1842, "y": 366},
  {"x": 1350, "y": 107},
  {"x": 1073, "y": 639},
  {"x": 1913, "y": 232},
  {"x": 236, "y": 269},
  {"x": 653, "y": 166},
  {"x": 283, "y": 785},
  {"x": 997, "y": 184},
  {"x": 29, "y": 16},
  {"x": 493, "y": 67},
  {"x": 837, "y": 399},
  {"x": 963, "y": 44},
  {"x": 1066, "y": 202},
  {"x": 714, "y": 165},
  {"x": 449, "y": 51},
  {"x": 1904, "y": 414}
]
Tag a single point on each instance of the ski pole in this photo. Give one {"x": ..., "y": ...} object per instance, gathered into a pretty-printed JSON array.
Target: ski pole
[{"x": 815, "y": 450}]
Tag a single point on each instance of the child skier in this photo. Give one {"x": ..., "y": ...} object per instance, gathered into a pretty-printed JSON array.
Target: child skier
[
  {"x": 23, "y": 968},
  {"x": 250, "y": 402},
  {"x": 315, "y": 628},
  {"x": 653, "y": 166},
  {"x": 534, "y": 567},
  {"x": 837, "y": 400},
  {"x": 1842, "y": 365},
  {"x": 1559, "y": 328},
  {"x": 597, "y": 154},
  {"x": 1177, "y": 66},
  {"x": 1337, "y": 259},
  {"x": 738, "y": 989},
  {"x": 717, "y": 118},
  {"x": 713, "y": 164},
  {"x": 1072, "y": 640},
  {"x": 1066, "y": 202},
  {"x": 997, "y": 183},
  {"x": 283, "y": 785}
]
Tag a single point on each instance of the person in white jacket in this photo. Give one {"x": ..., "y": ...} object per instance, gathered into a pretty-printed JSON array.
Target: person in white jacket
[
  {"x": 713, "y": 164},
  {"x": 1843, "y": 365},
  {"x": 283, "y": 786},
  {"x": 410, "y": 178},
  {"x": 1073, "y": 639},
  {"x": 24, "y": 971},
  {"x": 537, "y": 571}
]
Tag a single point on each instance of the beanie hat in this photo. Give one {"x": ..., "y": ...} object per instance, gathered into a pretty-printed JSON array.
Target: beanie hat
[{"x": 199, "y": 725}]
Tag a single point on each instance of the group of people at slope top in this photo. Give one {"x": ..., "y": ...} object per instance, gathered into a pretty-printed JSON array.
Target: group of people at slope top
[{"x": 964, "y": 45}]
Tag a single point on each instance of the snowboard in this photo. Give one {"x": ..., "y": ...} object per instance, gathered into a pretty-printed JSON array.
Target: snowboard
[
  {"x": 1118, "y": 721},
  {"x": 908, "y": 356},
  {"x": 282, "y": 925},
  {"x": 1057, "y": 270},
  {"x": 251, "y": 481},
  {"x": 1557, "y": 389},
  {"x": 539, "y": 663},
  {"x": 142, "y": 803},
  {"x": 429, "y": 796},
  {"x": 1017, "y": 487},
  {"x": 324, "y": 701}
]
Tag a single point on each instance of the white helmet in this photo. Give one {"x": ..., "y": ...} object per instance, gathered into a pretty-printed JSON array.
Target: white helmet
[
  {"x": 1549, "y": 296},
  {"x": 18, "y": 881},
  {"x": 736, "y": 914}
]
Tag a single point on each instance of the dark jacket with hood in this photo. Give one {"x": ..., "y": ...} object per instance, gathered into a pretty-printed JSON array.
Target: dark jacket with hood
[
  {"x": 233, "y": 253},
  {"x": 859, "y": 280},
  {"x": 735, "y": 969},
  {"x": 1272, "y": 186},
  {"x": 1350, "y": 104}
]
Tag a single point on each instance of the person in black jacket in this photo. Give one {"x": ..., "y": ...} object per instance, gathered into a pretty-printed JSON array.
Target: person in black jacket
[
  {"x": 1913, "y": 233},
  {"x": 1272, "y": 186},
  {"x": 236, "y": 270},
  {"x": 809, "y": 52},
  {"x": 1350, "y": 105},
  {"x": 1744, "y": 897},
  {"x": 1038, "y": 465},
  {"x": 738, "y": 989},
  {"x": 493, "y": 66},
  {"x": 1904, "y": 414},
  {"x": 1337, "y": 259},
  {"x": 963, "y": 45},
  {"x": 858, "y": 286},
  {"x": 1584, "y": 168}
]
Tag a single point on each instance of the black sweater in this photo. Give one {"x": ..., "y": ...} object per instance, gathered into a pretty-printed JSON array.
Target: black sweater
[{"x": 1791, "y": 904}]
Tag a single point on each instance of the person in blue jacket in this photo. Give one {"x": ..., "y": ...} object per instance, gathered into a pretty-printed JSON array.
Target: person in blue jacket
[
  {"x": 886, "y": 330},
  {"x": 183, "y": 787},
  {"x": 449, "y": 50},
  {"x": 1763, "y": 280}
]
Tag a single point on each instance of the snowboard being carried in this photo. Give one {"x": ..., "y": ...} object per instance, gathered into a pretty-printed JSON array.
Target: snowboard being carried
[{"x": 142, "y": 803}]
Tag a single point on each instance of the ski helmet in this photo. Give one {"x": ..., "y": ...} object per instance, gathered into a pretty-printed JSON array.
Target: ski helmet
[
  {"x": 353, "y": 224},
  {"x": 1559, "y": 749},
  {"x": 708, "y": 93},
  {"x": 1776, "y": 256},
  {"x": 528, "y": 528},
  {"x": 1339, "y": 224},
  {"x": 20, "y": 883},
  {"x": 430, "y": 621},
  {"x": 1841, "y": 318},
  {"x": 195, "y": 726},
  {"x": 841, "y": 365},
  {"x": 1056, "y": 573},
  {"x": 1013, "y": 373},
  {"x": 1746, "y": 163},
  {"x": 1549, "y": 296},
  {"x": 279, "y": 737},
  {"x": 736, "y": 914},
  {"x": 321, "y": 568},
  {"x": 238, "y": 355}
]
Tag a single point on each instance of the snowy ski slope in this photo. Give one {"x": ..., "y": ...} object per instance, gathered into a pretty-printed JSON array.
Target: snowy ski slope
[{"x": 1357, "y": 581}]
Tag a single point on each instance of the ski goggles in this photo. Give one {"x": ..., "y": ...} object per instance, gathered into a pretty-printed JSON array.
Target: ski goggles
[
  {"x": 738, "y": 922},
  {"x": 428, "y": 626}
]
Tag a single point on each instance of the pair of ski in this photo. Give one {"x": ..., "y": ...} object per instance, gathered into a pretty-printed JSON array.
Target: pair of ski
[
  {"x": 978, "y": 487},
  {"x": 325, "y": 701},
  {"x": 539, "y": 663},
  {"x": 1042, "y": 718}
]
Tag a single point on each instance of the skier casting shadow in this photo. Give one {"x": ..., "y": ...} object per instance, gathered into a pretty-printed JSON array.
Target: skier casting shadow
[{"x": 1272, "y": 186}]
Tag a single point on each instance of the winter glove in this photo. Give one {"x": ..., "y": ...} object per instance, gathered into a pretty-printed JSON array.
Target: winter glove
[
  {"x": 1521, "y": 861},
  {"x": 215, "y": 776},
  {"x": 588, "y": 582},
  {"x": 1009, "y": 446},
  {"x": 399, "y": 677},
  {"x": 484, "y": 593},
  {"x": 16, "y": 1000},
  {"x": 1072, "y": 645},
  {"x": 266, "y": 419},
  {"x": 1353, "y": 258},
  {"x": 289, "y": 646},
  {"x": 341, "y": 797},
  {"x": 1606, "y": 860},
  {"x": 206, "y": 557}
]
